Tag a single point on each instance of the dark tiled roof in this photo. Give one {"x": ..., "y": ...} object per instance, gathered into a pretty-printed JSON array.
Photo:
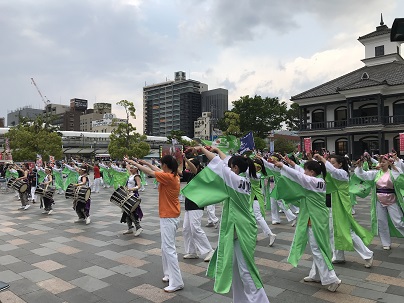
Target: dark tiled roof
[
  {"x": 383, "y": 74},
  {"x": 380, "y": 30}
]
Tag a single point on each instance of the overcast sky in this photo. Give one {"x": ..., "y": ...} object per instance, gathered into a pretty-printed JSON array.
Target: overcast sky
[{"x": 106, "y": 50}]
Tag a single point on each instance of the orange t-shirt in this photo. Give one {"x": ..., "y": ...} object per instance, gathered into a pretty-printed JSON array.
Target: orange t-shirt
[{"x": 169, "y": 189}]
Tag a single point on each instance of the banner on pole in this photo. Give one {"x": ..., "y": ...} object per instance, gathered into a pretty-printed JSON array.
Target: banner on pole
[
  {"x": 401, "y": 143},
  {"x": 307, "y": 144}
]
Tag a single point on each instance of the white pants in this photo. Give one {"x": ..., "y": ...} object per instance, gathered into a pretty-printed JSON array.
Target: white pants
[
  {"x": 294, "y": 208},
  {"x": 358, "y": 245},
  {"x": 244, "y": 289},
  {"x": 260, "y": 219},
  {"x": 275, "y": 214},
  {"x": 396, "y": 216},
  {"x": 33, "y": 197},
  {"x": 211, "y": 209},
  {"x": 319, "y": 269},
  {"x": 195, "y": 239},
  {"x": 97, "y": 185},
  {"x": 171, "y": 268}
]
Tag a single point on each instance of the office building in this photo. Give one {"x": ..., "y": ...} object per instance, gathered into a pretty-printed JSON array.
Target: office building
[{"x": 172, "y": 105}]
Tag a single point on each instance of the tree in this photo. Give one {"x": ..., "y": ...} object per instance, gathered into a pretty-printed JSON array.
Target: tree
[
  {"x": 292, "y": 117},
  {"x": 260, "y": 115},
  {"x": 124, "y": 140},
  {"x": 283, "y": 146},
  {"x": 31, "y": 138},
  {"x": 232, "y": 124},
  {"x": 259, "y": 143}
]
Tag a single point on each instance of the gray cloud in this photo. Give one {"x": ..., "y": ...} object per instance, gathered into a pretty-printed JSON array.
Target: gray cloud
[{"x": 243, "y": 20}]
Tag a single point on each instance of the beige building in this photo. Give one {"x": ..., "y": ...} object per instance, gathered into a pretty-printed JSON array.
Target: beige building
[
  {"x": 106, "y": 124},
  {"x": 202, "y": 126}
]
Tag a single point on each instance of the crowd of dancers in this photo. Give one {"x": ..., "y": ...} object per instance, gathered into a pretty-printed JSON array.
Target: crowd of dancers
[{"x": 316, "y": 195}]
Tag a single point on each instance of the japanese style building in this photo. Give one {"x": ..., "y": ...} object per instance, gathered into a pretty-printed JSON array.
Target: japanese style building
[{"x": 362, "y": 110}]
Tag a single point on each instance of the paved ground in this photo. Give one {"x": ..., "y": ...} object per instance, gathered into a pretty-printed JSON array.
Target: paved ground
[{"x": 51, "y": 259}]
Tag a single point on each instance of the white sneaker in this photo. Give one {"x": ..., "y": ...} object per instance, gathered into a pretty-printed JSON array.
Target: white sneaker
[
  {"x": 369, "y": 262},
  {"x": 217, "y": 224},
  {"x": 138, "y": 232},
  {"x": 210, "y": 224},
  {"x": 173, "y": 289},
  {"x": 276, "y": 223},
  {"x": 88, "y": 220},
  {"x": 50, "y": 212},
  {"x": 166, "y": 279},
  {"x": 333, "y": 286},
  {"x": 272, "y": 239},
  {"x": 209, "y": 256},
  {"x": 27, "y": 206},
  {"x": 386, "y": 247},
  {"x": 294, "y": 223},
  {"x": 129, "y": 231},
  {"x": 44, "y": 211},
  {"x": 308, "y": 279},
  {"x": 191, "y": 256},
  {"x": 21, "y": 207},
  {"x": 79, "y": 220}
]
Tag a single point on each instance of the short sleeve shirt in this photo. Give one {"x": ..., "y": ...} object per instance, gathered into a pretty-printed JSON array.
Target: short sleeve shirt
[{"x": 169, "y": 189}]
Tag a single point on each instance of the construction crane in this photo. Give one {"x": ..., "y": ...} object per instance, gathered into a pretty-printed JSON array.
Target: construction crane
[{"x": 44, "y": 99}]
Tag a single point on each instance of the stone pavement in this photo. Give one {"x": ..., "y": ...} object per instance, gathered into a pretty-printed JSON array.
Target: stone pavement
[{"x": 48, "y": 258}]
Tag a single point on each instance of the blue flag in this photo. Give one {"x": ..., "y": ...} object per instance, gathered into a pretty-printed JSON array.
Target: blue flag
[{"x": 247, "y": 143}]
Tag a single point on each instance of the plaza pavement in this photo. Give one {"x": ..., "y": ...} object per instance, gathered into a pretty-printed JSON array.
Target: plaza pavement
[{"x": 48, "y": 258}]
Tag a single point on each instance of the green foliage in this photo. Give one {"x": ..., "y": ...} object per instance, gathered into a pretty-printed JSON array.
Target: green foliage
[
  {"x": 292, "y": 117},
  {"x": 30, "y": 138},
  {"x": 283, "y": 146},
  {"x": 124, "y": 140},
  {"x": 260, "y": 115},
  {"x": 231, "y": 124},
  {"x": 177, "y": 135},
  {"x": 259, "y": 143}
]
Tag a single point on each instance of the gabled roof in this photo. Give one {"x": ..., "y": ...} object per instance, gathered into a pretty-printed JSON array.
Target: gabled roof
[
  {"x": 380, "y": 30},
  {"x": 384, "y": 74}
]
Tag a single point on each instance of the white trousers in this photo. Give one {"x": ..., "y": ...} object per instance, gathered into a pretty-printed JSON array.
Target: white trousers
[
  {"x": 195, "y": 239},
  {"x": 339, "y": 255},
  {"x": 319, "y": 269},
  {"x": 396, "y": 216},
  {"x": 244, "y": 289},
  {"x": 171, "y": 268},
  {"x": 211, "y": 209},
  {"x": 97, "y": 185},
  {"x": 33, "y": 197},
  {"x": 260, "y": 219},
  {"x": 275, "y": 214},
  {"x": 294, "y": 208}
]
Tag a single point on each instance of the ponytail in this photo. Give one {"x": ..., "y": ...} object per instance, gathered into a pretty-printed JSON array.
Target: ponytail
[
  {"x": 243, "y": 164},
  {"x": 317, "y": 166}
]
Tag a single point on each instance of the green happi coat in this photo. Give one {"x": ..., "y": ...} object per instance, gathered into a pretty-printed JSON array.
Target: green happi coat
[
  {"x": 256, "y": 192},
  {"x": 119, "y": 176},
  {"x": 398, "y": 181},
  {"x": 71, "y": 175},
  {"x": 337, "y": 181},
  {"x": 238, "y": 220},
  {"x": 58, "y": 177},
  {"x": 106, "y": 177},
  {"x": 294, "y": 185}
]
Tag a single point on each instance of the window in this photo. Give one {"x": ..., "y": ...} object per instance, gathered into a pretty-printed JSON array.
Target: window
[
  {"x": 317, "y": 118},
  {"x": 318, "y": 145},
  {"x": 340, "y": 116},
  {"x": 379, "y": 51},
  {"x": 341, "y": 146}
]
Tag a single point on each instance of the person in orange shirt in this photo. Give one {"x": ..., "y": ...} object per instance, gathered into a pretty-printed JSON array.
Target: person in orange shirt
[{"x": 169, "y": 212}]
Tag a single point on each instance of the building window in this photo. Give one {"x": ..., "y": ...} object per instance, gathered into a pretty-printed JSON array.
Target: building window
[
  {"x": 318, "y": 145},
  {"x": 317, "y": 118},
  {"x": 379, "y": 51},
  {"x": 340, "y": 116},
  {"x": 341, "y": 146}
]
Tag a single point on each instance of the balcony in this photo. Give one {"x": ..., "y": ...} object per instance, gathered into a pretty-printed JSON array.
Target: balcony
[
  {"x": 356, "y": 121},
  {"x": 324, "y": 125}
]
